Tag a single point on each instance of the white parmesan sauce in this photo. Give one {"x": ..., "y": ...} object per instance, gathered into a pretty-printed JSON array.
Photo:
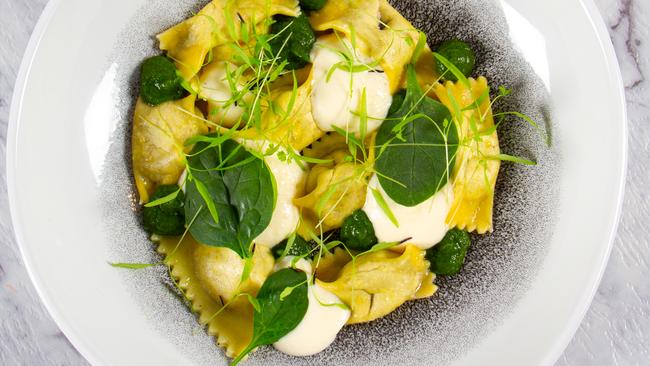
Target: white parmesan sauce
[
  {"x": 337, "y": 93},
  {"x": 216, "y": 89},
  {"x": 286, "y": 216},
  {"x": 288, "y": 176},
  {"x": 325, "y": 317},
  {"x": 425, "y": 223}
]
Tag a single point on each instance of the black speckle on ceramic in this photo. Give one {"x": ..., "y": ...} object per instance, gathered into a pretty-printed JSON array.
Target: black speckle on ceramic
[{"x": 435, "y": 331}]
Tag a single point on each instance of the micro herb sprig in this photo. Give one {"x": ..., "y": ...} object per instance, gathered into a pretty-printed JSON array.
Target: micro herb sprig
[
  {"x": 453, "y": 69},
  {"x": 350, "y": 60},
  {"x": 255, "y": 69},
  {"x": 339, "y": 305},
  {"x": 259, "y": 69},
  {"x": 251, "y": 299},
  {"x": 287, "y": 248},
  {"x": 289, "y": 290},
  {"x": 134, "y": 265},
  {"x": 161, "y": 201},
  {"x": 384, "y": 206}
]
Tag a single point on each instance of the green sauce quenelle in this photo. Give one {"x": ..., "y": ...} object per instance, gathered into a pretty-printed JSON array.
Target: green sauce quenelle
[
  {"x": 357, "y": 232},
  {"x": 160, "y": 81},
  {"x": 312, "y": 4},
  {"x": 460, "y": 54},
  {"x": 447, "y": 258},
  {"x": 167, "y": 218}
]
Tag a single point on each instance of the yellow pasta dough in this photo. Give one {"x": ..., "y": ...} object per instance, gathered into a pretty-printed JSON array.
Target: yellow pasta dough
[
  {"x": 292, "y": 124},
  {"x": 220, "y": 270},
  {"x": 158, "y": 142},
  {"x": 476, "y": 169},
  {"x": 376, "y": 284},
  {"x": 334, "y": 190},
  {"x": 330, "y": 264},
  {"x": 232, "y": 325}
]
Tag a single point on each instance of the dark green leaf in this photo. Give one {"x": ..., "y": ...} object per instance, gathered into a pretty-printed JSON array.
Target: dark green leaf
[
  {"x": 243, "y": 196},
  {"x": 417, "y": 145},
  {"x": 398, "y": 100},
  {"x": 292, "y": 41},
  {"x": 297, "y": 247},
  {"x": 283, "y": 303}
]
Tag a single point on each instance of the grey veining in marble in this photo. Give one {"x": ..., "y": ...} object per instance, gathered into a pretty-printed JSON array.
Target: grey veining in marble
[{"x": 615, "y": 331}]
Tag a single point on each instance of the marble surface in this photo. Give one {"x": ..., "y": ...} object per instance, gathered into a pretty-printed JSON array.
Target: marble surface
[{"x": 615, "y": 331}]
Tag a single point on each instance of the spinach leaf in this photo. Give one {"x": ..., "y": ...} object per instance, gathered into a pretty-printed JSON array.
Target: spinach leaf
[
  {"x": 398, "y": 100},
  {"x": 234, "y": 191},
  {"x": 297, "y": 247},
  {"x": 417, "y": 145},
  {"x": 292, "y": 41},
  {"x": 283, "y": 303}
]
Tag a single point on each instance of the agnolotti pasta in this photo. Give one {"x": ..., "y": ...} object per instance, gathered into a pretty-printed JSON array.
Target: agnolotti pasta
[
  {"x": 231, "y": 325},
  {"x": 220, "y": 270},
  {"x": 189, "y": 42},
  {"x": 365, "y": 286},
  {"x": 158, "y": 142},
  {"x": 476, "y": 169},
  {"x": 304, "y": 165},
  {"x": 333, "y": 190},
  {"x": 378, "y": 30},
  {"x": 292, "y": 123}
]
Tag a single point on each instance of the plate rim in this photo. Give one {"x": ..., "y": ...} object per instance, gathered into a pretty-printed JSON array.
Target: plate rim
[
  {"x": 611, "y": 59},
  {"x": 82, "y": 346}
]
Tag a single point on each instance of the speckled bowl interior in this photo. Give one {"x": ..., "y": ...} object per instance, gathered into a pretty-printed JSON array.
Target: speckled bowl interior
[{"x": 468, "y": 306}]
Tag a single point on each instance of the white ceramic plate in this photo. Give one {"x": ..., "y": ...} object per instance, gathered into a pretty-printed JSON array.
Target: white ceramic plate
[{"x": 66, "y": 147}]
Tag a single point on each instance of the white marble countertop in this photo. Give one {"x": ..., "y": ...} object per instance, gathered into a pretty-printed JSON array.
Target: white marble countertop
[{"x": 615, "y": 331}]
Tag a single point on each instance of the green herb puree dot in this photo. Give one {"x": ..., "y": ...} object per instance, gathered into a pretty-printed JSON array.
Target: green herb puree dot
[
  {"x": 312, "y": 4},
  {"x": 167, "y": 218},
  {"x": 460, "y": 54},
  {"x": 357, "y": 232},
  {"x": 292, "y": 40},
  {"x": 448, "y": 256},
  {"x": 160, "y": 81}
]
